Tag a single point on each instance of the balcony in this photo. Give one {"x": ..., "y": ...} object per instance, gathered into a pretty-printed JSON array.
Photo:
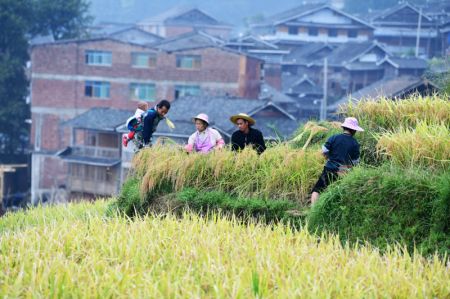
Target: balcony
[
  {"x": 84, "y": 185},
  {"x": 91, "y": 155},
  {"x": 95, "y": 152}
]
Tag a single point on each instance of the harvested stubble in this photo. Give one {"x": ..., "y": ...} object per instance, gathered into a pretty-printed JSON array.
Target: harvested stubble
[
  {"x": 58, "y": 254},
  {"x": 280, "y": 172},
  {"x": 426, "y": 145}
]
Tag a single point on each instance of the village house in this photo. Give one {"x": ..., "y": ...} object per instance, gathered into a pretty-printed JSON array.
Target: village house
[
  {"x": 389, "y": 88},
  {"x": 398, "y": 27},
  {"x": 74, "y": 77},
  {"x": 350, "y": 67},
  {"x": 180, "y": 20},
  {"x": 444, "y": 30},
  {"x": 314, "y": 23}
]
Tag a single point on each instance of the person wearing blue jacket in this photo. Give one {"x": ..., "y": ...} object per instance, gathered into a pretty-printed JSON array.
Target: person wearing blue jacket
[{"x": 152, "y": 119}]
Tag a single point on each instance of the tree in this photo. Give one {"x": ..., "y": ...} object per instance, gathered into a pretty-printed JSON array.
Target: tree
[
  {"x": 19, "y": 21},
  {"x": 62, "y": 19},
  {"x": 14, "y": 16}
]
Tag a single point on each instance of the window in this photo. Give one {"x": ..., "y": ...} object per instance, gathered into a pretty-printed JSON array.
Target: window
[
  {"x": 313, "y": 31},
  {"x": 108, "y": 140},
  {"x": 189, "y": 61},
  {"x": 77, "y": 170},
  {"x": 332, "y": 32},
  {"x": 144, "y": 92},
  {"x": 143, "y": 60},
  {"x": 352, "y": 33},
  {"x": 292, "y": 30},
  {"x": 91, "y": 138},
  {"x": 96, "y": 89},
  {"x": 187, "y": 90},
  {"x": 98, "y": 58}
]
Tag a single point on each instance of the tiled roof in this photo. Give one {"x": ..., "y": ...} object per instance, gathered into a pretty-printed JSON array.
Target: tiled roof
[
  {"x": 347, "y": 52},
  {"x": 250, "y": 41},
  {"x": 392, "y": 10},
  {"x": 195, "y": 40},
  {"x": 136, "y": 35},
  {"x": 407, "y": 63},
  {"x": 302, "y": 10},
  {"x": 187, "y": 41},
  {"x": 219, "y": 110},
  {"x": 294, "y": 84},
  {"x": 270, "y": 93},
  {"x": 298, "y": 10},
  {"x": 389, "y": 88},
  {"x": 306, "y": 53},
  {"x": 184, "y": 15},
  {"x": 102, "y": 119}
]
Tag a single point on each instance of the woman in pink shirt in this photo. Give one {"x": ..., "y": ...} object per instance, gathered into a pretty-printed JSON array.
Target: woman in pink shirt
[{"x": 205, "y": 139}]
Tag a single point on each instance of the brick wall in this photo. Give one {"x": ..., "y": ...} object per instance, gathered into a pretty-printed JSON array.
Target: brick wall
[
  {"x": 272, "y": 75},
  {"x": 249, "y": 77},
  {"x": 54, "y": 76}
]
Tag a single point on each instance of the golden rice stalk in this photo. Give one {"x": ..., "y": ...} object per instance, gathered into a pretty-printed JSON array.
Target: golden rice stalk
[
  {"x": 426, "y": 145},
  {"x": 391, "y": 114},
  {"x": 169, "y": 123},
  {"x": 246, "y": 173},
  {"x": 314, "y": 130},
  {"x": 72, "y": 251}
]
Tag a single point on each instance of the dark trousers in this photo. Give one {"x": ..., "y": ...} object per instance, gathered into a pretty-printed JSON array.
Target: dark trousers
[{"x": 327, "y": 177}]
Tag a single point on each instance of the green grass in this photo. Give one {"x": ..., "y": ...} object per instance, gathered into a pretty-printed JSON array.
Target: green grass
[
  {"x": 269, "y": 211},
  {"x": 386, "y": 205}
]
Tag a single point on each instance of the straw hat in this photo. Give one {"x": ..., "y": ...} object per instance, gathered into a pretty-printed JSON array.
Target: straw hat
[
  {"x": 250, "y": 120},
  {"x": 202, "y": 116},
  {"x": 351, "y": 123}
]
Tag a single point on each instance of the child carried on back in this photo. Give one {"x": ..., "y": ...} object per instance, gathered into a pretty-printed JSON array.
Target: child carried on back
[{"x": 135, "y": 125}]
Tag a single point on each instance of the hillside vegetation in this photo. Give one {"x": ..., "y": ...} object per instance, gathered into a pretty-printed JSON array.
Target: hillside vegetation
[
  {"x": 229, "y": 225},
  {"x": 401, "y": 183}
]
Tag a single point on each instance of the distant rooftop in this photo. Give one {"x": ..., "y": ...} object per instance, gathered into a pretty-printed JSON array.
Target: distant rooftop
[
  {"x": 184, "y": 15},
  {"x": 303, "y": 10},
  {"x": 390, "y": 88},
  {"x": 102, "y": 119},
  {"x": 188, "y": 41}
]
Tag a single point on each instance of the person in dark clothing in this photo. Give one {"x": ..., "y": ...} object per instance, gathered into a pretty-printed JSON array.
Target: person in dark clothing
[
  {"x": 342, "y": 152},
  {"x": 246, "y": 135},
  {"x": 152, "y": 119}
]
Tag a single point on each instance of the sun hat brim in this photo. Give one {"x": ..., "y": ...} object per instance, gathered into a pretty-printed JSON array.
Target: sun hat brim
[
  {"x": 352, "y": 127},
  {"x": 250, "y": 120},
  {"x": 194, "y": 118}
]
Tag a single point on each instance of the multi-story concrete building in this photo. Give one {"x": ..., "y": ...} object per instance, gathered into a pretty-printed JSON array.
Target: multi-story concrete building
[
  {"x": 400, "y": 28},
  {"x": 81, "y": 90}
]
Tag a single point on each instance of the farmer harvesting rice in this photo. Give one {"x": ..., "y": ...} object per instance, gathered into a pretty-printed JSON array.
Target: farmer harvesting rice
[
  {"x": 152, "y": 119},
  {"x": 205, "y": 139},
  {"x": 246, "y": 135},
  {"x": 342, "y": 152}
]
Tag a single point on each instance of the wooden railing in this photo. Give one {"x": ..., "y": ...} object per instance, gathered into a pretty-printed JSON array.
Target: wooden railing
[
  {"x": 96, "y": 151},
  {"x": 93, "y": 187}
]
